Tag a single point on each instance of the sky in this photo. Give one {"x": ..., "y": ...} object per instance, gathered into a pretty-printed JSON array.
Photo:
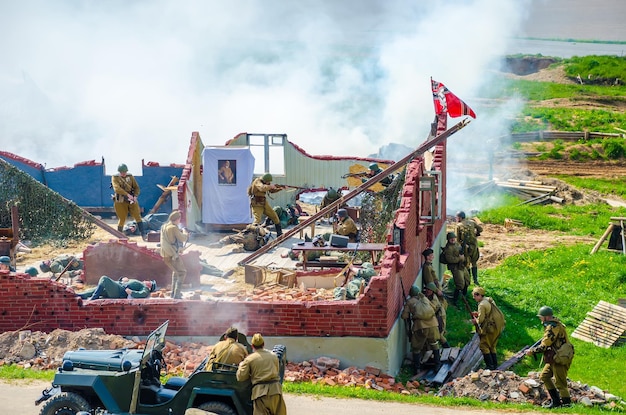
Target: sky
[{"x": 131, "y": 80}]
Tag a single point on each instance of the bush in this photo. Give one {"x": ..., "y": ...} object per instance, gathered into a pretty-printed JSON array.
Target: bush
[{"x": 614, "y": 148}]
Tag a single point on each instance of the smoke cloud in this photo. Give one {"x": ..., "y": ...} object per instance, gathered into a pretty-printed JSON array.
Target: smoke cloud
[{"x": 130, "y": 80}]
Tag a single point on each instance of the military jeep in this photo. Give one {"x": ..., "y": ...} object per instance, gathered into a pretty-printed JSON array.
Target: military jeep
[{"x": 128, "y": 381}]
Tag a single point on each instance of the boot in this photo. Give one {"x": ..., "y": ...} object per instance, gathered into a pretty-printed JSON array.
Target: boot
[
  {"x": 437, "y": 359},
  {"x": 475, "y": 275},
  {"x": 417, "y": 362},
  {"x": 494, "y": 361},
  {"x": 279, "y": 230},
  {"x": 455, "y": 299},
  {"x": 556, "y": 399},
  {"x": 487, "y": 359},
  {"x": 445, "y": 345},
  {"x": 120, "y": 229},
  {"x": 566, "y": 401},
  {"x": 174, "y": 292},
  {"x": 142, "y": 230}
]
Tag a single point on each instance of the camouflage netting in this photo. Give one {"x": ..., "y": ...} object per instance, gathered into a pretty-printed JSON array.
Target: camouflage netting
[
  {"x": 378, "y": 210},
  {"x": 43, "y": 213}
]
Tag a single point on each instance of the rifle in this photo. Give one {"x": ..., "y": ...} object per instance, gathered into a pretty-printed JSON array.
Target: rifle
[
  {"x": 469, "y": 310},
  {"x": 518, "y": 356},
  {"x": 407, "y": 322},
  {"x": 64, "y": 270},
  {"x": 361, "y": 174}
]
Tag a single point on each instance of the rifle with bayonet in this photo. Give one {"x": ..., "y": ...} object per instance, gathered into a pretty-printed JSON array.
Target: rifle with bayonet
[
  {"x": 469, "y": 310},
  {"x": 518, "y": 356},
  {"x": 288, "y": 186},
  {"x": 407, "y": 322}
]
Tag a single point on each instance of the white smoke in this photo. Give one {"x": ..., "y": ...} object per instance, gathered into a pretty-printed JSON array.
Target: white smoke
[{"x": 130, "y": 80}]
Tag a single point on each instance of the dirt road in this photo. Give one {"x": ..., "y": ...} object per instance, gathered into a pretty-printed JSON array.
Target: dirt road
[{"x": 18, "y": 398}]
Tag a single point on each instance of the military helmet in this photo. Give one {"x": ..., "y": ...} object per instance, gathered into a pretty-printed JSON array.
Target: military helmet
[
  {"x": 450, "y": 235},
  {"x": 332, "y": 193},
  {"x": 430, "y": 286},
  {"x": 413, "y": 291},
  {"x": 460, "y": 214},
  {"x": 45, "y": 266},
  {"x": 545, "y": 311},
  {"x": 373, "y": 166},
  {"x": 342, "y": 213},
  {"x": 122, "y": 168},
  {"x": 5, "y": 259},
  {"x": 32, "y": 271},
  {"x": 267, "y": 178}
]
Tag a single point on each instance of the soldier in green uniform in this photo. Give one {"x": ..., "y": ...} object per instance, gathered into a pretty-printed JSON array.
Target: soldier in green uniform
[
  {"x": 456, "y": 264},
  {"x": 123, "y": 288},
  {"x": 125, "y": 199},
  {"x": 419, "y": 314},
  {"x": 374, "y": 169},
  {"x": 554, "y": 337},
  {"x": 489, "y": 332},
  {"x": 172, "y": 240},
  {"x": 59, "y": 263},
  {"x": 430, "y": 291},
  {"x": 258, "y": 192},
  {"x": 468, "y": 230},
  {"x": 262, "y": 368}
]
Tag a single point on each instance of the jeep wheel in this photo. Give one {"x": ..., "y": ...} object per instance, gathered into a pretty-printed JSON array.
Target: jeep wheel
[
  {"x": 218, "y": 408},
  {"x": 66, "y": 403}
]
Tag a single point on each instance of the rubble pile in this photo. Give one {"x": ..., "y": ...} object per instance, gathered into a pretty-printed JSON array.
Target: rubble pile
[
  {"x": 506, "y": 386},
  {"x": 44, "y": 351}
]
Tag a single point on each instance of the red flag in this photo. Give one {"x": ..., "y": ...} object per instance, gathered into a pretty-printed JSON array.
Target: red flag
[{"x": 446, "y": 102}]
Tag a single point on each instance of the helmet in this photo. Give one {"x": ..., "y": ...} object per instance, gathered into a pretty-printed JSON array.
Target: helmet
[
  {"x": 373, "y": 166},
  {"x": 460, "y": 214},
  {"x": 32, "y": 271},
  {"x": 122, "y": 168},
  {"x": 45, "y": 266},
  {"x": 430, "y": 286},
  {"x": 5, "y": 259},
  {"x": 450, "y": 235},
  {"x": 342, "y": 213},
  {"x": 332, "y": 193},
  {"x": 545, "y": 311},
  {"x": 267, "y": 178},
  {"x": 413, "y": 291}
]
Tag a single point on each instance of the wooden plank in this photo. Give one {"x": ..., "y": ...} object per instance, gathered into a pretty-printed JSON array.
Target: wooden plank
[
  {"x": 602, "y": 239},
  {"x": 597, "y": 342},
  {"x": 445, "y": 354}
]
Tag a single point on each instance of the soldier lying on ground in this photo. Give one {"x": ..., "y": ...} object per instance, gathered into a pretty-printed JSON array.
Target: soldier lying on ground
[
  {"x": 123, "y": 288},
  {"x": 59, "y": 263},
  {"x": 251, "y": 238}
]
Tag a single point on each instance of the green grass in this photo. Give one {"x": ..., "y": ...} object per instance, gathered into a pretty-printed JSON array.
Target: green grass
[
  {"x": 614, "y": 186},
  {"x": 14, "y": 372}
]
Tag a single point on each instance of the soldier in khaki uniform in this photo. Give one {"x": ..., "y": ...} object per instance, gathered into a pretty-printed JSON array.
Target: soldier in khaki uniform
[
  {"x": 258, "y": 192},
  {"x": 468, "y": 230},
  {"x": 345, "y": 225},
  {"x": 489, "y": 333},
  {"x": 227, "y": 351},
  {"x": 456, "y": 264},
  {"x": 420, "y": 316},
  {"x": 430, "y": 291},
  {"x": 554, "y": 336},
  {"x": 125, "y": 199},
  {"x": 172, "y": 240},
  {"x": 262, "y": 368}
]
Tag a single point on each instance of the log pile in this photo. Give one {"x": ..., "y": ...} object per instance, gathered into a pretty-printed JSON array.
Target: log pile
[{"x": 532, "y": 191}]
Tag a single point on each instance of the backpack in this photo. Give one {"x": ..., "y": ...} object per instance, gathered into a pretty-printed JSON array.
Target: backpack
[
  {"x": 423, "y": 309},
  {"x": 564, "y": 354},
  {"x": 442, "y": 256},
  {"x": 497, "y": 317}
]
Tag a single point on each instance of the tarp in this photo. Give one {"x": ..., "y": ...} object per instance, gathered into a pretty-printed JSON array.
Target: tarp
[{"x": 226, "y": 174}]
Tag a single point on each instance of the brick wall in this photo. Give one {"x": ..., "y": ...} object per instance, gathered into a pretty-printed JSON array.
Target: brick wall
[{"x": 42, "y": 304}]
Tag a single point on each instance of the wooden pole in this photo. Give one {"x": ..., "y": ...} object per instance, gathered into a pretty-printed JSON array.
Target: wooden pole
[{"x": 602, "y": 239}]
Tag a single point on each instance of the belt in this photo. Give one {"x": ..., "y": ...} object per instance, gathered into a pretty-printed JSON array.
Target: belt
[{"x": 265, "y": 382}]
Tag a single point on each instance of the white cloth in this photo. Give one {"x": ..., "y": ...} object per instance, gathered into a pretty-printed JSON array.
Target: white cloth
[{"x": 226, "y": 204}]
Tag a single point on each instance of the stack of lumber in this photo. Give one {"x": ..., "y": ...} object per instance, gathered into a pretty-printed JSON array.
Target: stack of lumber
[
  {"x": 604, "y": 326},
  {"x": 532, "y": 191}
]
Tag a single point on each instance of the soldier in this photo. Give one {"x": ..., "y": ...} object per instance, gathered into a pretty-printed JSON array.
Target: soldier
[
  {"x": 428, "y": 272},
  {"x": 125, "y": 199},
  {"x": 430, "y": 291},
  {"x": 251, "y": 238},
  {"x": 468, "y": 230},
  {"x": 345, "y": 225},
  {"x": 172, "y": 240},
  {"x": 373, "y": 171},
  {"x": 330, "y": 196},
  {"x": 456, "y": 264},
  {"x": 418, "y": 313},
  {"x": 59, "y": 263},
  {"x": 123, "y": 288},
  {"x": 489, "y": 328},
  {"x": 263, "y": 370},
  {"x": 227, "y": 351},
  {"x": 258, "y": 191},
  {"x": 554, "y": 337}
]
